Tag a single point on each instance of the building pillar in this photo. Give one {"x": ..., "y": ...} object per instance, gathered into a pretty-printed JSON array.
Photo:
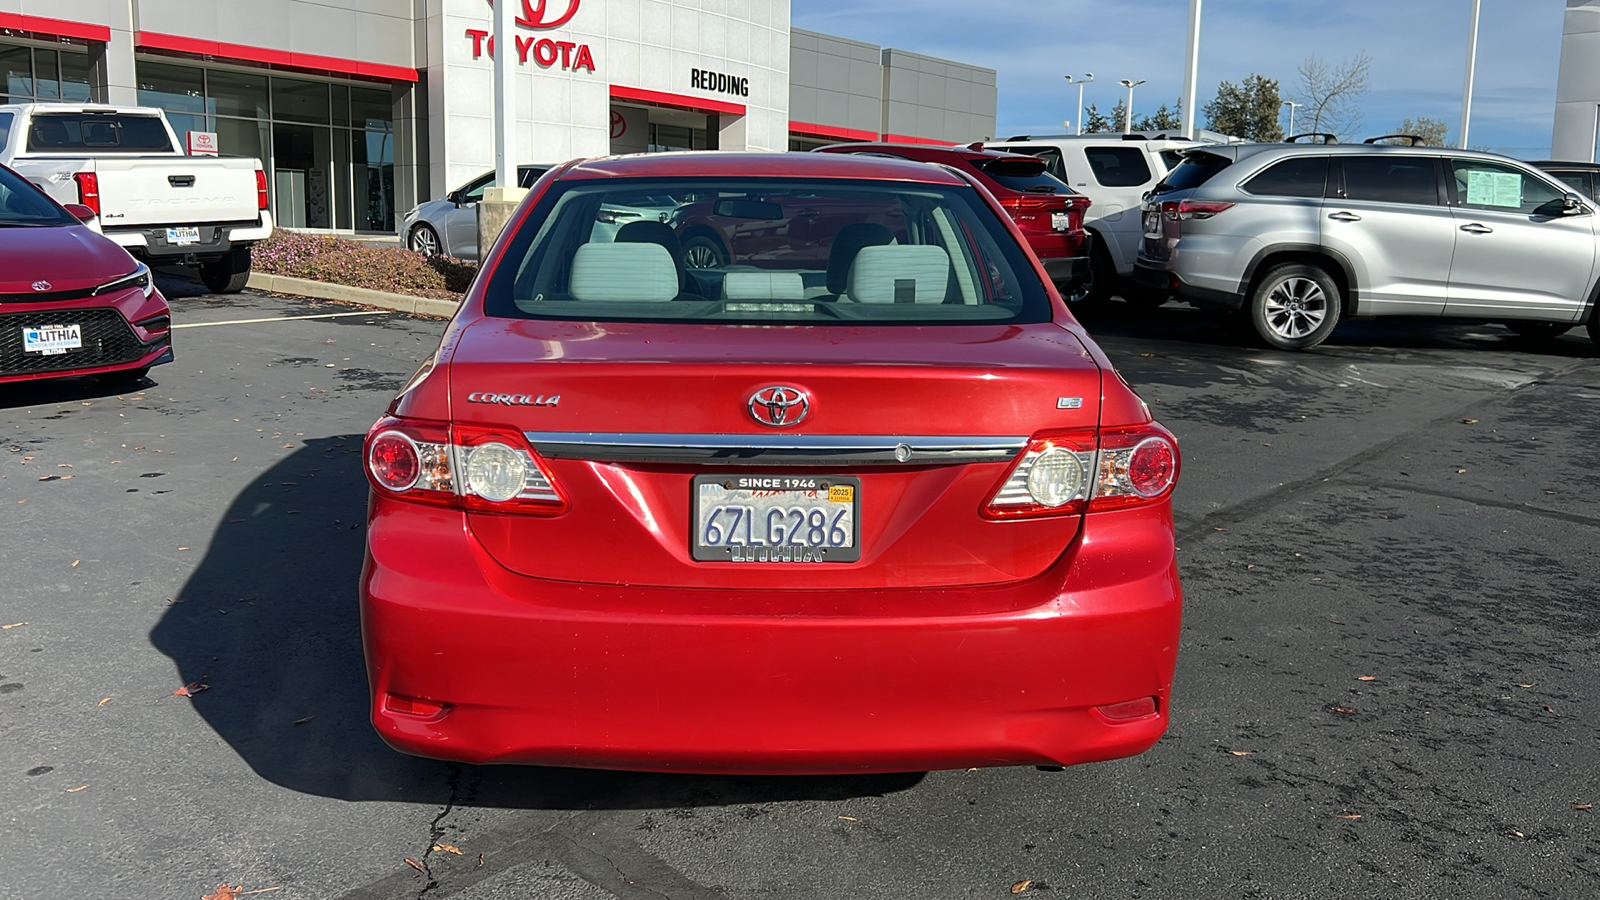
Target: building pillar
[
  {"x": 112, "y": 62},
  {"x": 410, "y": 116},
  {"x": 726, "y": 133}
]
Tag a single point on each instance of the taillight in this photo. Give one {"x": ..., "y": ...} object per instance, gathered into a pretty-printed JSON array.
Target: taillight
[
  {"x": 488, "y": 469},
  {"x": 1064, "y": 472},
  {"x": 261, "y": 189},
  {"x": 88, "y": 190},
  {"x": 1183, "y": 210}
]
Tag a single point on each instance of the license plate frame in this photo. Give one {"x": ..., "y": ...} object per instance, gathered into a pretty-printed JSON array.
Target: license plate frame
[
  {"x": 757, "y": 491},
  {"x": 183, "y": 235},
  {"x": 52, "y": 340},
  {"x": 1061, "y": 221}
]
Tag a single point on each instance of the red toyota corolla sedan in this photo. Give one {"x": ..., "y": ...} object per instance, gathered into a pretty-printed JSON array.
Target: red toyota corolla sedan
[
  {"x": 887, "y": 510},
  {"x": 71, "y": 301}
]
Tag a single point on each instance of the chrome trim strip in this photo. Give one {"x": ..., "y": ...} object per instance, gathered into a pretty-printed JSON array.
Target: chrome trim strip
[{"x": 777, "y": 449}]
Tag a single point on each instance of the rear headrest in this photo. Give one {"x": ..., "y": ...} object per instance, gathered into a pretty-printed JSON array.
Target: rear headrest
[
  {"x": 846, "y": 244},
  {"x": 629, "y": 272},
  {"x": 763, "y": 286},
  {"x": 899, "y": 273}
]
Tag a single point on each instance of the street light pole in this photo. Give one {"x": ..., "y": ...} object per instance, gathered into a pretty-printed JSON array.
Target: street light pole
[
  {"x": 1292, "y": 107},
  {"x": 1472, "y": 64},
  {"x": 505, "y": 125},
  {"x": 1080, "y": 82},
  {"x": 1127, "y": 111},
  {"x": 1191, "y": 70}
]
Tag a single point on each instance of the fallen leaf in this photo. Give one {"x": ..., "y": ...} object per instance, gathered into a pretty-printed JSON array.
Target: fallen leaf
[
  {"x": 103, "y": 701},
  {"x": 75, "y": 563},
  {"x": 1583, "y": 806},
  {"x": 1348, "y": 816},
  {"x": 12, "y": 625},
  {"x": 1461, "y": 471},
  {"x": 304, "y": 720},
  {"x": 448, "y": 848},
  {"x": 1528, "y": 685},
  {"x": 480, "y": 859},
  {"x": 63, "y": 465},
  {"x": 849, "y": 818},
  {"x": 77, "y": 789},
  {"x": 1516, "y": 833},
  {"x": 1021, "y": 886},
  {"x": 1549, "y": 709},
  {"x": 286, "y": 447},
  {"x": 415, "y": 865},
  {"x": 1366, "y": 678},
  {"x": 1346, "y": 710},
  {"x": 192, "y": 688},
  {"x": 1469, "y": 421},
  {"x": 1240, "y": 752},
  {"x": 183, "y": 548},
  {"x": 224, "y": 892}
]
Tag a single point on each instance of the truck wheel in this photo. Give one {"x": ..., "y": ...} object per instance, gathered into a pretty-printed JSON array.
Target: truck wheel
[
  {"x": 1295, "y": 306},
  {"x": 229, "y": 274}
]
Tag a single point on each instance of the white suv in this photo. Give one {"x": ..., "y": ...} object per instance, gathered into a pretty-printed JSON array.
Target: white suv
[{"x": 1114, "y": 171}]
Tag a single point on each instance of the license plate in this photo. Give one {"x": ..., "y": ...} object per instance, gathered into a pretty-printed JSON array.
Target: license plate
[
  {"x": 1060, "y": 221},
  {"x": 51, "y": 340},
  {"x": 777, "y": 518},
  {"x": 188, "y": 235}
]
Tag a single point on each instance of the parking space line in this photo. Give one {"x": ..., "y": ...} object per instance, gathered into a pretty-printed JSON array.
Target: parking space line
[{"x": 375, "y": 312}]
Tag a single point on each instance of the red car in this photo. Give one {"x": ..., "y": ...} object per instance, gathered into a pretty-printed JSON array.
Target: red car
[
  {"x": 1049, "y": 213},
  {"x": 886, "y": 510},
  {"x": 71, "y": 301}
]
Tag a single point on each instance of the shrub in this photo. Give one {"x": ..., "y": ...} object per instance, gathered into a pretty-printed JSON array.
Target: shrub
[{"x": 338, "y": 260}]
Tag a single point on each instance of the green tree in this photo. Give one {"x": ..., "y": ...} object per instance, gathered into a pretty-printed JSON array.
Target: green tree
[
  {"x": 1166, "y": 118},
  {"x": 1095, "y": 121},
  {"x": 1434, "y": 132},
  {"x": 1118, "y": 114},
  {"x": 1248, "y": 110}
]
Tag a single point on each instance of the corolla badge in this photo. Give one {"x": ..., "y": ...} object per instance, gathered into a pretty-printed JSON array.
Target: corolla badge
[
  {"x": 41, "y": 285},
  {"x": 779, "y": 406},
  {"x": 513, "y": 399}
]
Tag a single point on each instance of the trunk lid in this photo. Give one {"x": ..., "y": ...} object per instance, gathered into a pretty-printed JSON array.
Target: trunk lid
[
  {"x": 179, "y": 190},
  {"x": 671, "y": 386}
]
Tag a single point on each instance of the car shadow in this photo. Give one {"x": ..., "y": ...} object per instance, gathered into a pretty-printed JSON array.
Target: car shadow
[
  {"x": 269, "y": 624},
  {"x": 47, "y": 391}
]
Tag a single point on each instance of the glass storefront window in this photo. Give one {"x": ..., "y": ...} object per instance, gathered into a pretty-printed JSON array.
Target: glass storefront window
[
  {"x": 341, "y": 105},
  {"x": 16, "y": 72},
  {"x": 300, "y": 101},
  {"x": 46, "y": 75},
  {"x": 183, "y": 123},
  {"x": 76, "y": 83},
  {"x": 371, "y": 109},
  {"x": 173, "y": 88},
  {"x": 243, "y": 137},
  {"x": 303, "y": 174},
  {"x": 374, "y": 180},
  {"x": 236, "y": 94}
]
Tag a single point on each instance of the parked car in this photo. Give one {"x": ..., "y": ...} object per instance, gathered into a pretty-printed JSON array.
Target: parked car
[
  {"x": 1298, "y": 236},
  {"x": 148, "y": 196},
  {"x": 1114, "y": 171},
  {"x": 884, "y": 508},
  {"x": 450, "y": 226},
  {"x": 1583, "y": 177},
  {"x": 71, "y": 301},
  {"x": 1050, "y": 214}
]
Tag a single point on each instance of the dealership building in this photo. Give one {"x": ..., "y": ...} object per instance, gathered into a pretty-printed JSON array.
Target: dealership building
[
  {"x": 1577, "y": 128},
  {"x": 362, "y": 108}
]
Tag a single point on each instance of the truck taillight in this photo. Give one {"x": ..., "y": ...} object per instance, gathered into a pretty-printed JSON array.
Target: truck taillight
[
  {"x": 488, "y": 469},
  {"x": 261, "y": 189},
  {"x": 1065, "y": 472},
  {"x": 1183, "y": 210},
  {"x": 88, "y": 190}
]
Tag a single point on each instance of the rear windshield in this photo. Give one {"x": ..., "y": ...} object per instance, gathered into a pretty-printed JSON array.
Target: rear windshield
[
  {"x": 1195, "y": 170},
  {"x": 1024, "y": 176},
  {"x": 768, "y": 251},
  {"x": 22, "y": 204},
  {"x": 97, "y": 133}
]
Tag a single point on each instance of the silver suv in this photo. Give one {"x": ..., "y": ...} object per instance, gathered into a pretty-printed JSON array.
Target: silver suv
[{"x": 1297, "y": 236}]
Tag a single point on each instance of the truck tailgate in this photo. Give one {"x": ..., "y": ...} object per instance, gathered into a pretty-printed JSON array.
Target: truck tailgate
[{"x": 178, "y": 190}]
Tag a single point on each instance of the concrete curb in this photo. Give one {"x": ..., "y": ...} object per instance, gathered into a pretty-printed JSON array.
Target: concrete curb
[{"x": 322, "y": 290}]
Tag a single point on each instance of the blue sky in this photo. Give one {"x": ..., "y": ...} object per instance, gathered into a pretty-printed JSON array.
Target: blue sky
[{"x": 1418, "y": 50}]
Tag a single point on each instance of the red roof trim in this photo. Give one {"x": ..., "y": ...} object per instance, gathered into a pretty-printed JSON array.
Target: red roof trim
[
  {"x": 59, "y": 27},
  {"x": 832, "y": 131},
  {"x": 908, "y": 139},
  {"x": 676, "y": 101},
  {"x": 151, "y": 40}
]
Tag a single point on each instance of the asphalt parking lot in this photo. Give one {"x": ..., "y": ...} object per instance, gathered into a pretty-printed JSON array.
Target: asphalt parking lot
[{"x": 1386, "y": 686}]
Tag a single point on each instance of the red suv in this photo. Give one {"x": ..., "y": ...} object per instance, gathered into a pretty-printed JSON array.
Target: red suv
[{"x": 1049, "y": 213}]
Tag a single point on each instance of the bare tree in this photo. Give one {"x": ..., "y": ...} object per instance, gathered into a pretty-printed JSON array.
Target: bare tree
[
  {"x": 1333, "y": 93},
  {"x": 1433, "y": 132}
]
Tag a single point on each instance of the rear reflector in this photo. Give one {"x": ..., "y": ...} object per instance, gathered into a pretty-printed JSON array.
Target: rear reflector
[
  {"x": 1129, "y": 709},
  {"x": 414, "y": 706}
]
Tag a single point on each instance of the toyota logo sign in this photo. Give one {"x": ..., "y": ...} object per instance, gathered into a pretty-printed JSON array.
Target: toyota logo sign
[
  {"x": 41, "y": 285},
  {"x": 534, "y": 14},
  {"x": 779, "y": 406}
]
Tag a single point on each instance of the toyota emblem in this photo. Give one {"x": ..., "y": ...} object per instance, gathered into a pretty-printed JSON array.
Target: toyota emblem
[
  {"x": 779, "y": 406},
  {"x": 41, "y": 285},
  {"x": 535, "y": 15}
]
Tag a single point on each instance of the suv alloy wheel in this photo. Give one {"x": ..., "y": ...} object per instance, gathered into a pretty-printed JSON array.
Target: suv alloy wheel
[{"x": 1295, "y": 306}]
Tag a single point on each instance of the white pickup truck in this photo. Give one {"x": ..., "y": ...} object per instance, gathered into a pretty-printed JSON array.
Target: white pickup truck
[{"x": 126, "y": 164}]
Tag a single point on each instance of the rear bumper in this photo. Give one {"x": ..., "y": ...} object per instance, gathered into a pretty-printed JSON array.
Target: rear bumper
[
  {"x": 1152, "y": 278},
  {"x": 594, "y": 676},
  {"x": 216, "y": 238},
  {"x": 1066, "y": 271}
]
